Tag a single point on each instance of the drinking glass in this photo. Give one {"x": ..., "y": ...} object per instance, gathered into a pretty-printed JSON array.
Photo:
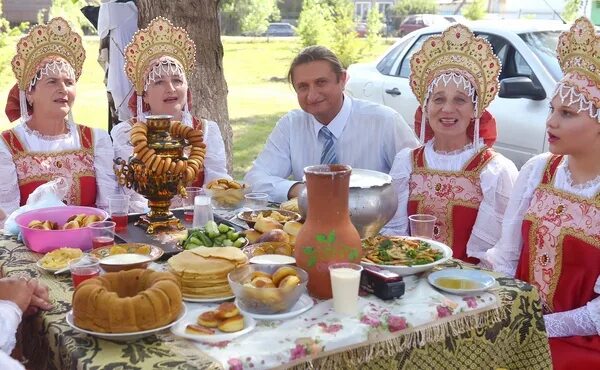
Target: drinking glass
[
  {"x": 345, "y": 280},
  {"x": 202, "y": 211},
  {"x": 118, "y": 206},
  {"x": 103, "y": 233},
  {"x": 83, "y": 268},
  {"x": 256, "y": 201},
  {"x": 422, "y": 225},
  {"x": 188, "y": 202}
]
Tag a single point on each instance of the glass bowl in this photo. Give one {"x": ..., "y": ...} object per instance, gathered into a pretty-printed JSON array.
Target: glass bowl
[
  {"x": 228, "y": 199},
  {"x": 265, "y": 300}
]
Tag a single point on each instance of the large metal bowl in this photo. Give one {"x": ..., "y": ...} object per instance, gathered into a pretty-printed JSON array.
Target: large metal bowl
[{"x": 372, "y": 201}]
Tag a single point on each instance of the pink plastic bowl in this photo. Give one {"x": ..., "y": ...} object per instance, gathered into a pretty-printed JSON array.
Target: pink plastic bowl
[{"x": 43, "y": 241}]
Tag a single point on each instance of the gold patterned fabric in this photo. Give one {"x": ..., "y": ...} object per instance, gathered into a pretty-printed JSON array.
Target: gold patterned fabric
[
  {"x": 45, "y": 42},
  {"x": 159, "y": 40},
  {"x": 458, "y": 50},
  {"x": 579, "y": 57},
  {"x": 516, "y": 341}
]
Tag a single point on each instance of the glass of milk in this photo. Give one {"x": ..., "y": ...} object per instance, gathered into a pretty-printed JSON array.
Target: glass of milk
[{"x": 345, "y": 280}]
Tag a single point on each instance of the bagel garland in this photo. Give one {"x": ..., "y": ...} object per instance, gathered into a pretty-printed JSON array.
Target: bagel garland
[{"x": 188, "y": 168}]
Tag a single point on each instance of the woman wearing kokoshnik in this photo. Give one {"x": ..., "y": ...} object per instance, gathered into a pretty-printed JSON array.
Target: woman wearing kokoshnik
[
  {"x": 47, "y": 144},
  {"x": 454, "y": 175},
  {"x": 551, "y": 231},
  {"x": 159, "y": 60}
]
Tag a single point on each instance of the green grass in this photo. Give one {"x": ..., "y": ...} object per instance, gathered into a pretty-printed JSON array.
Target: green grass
[{"x": 255, "y": 71}]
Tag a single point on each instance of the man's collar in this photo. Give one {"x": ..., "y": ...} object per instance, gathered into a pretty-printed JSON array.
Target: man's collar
[{"x": 338, "y": 123}]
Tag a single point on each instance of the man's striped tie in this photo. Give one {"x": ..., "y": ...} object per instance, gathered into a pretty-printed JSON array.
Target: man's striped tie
[{"x": 328, "y": 155}]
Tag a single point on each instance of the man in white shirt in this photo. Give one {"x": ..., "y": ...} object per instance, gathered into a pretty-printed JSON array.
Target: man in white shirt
[
  {"x": 331, "y": 127},
  {"x": 17, "y": 297}
]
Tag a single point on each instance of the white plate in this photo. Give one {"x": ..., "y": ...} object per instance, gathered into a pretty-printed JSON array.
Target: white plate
[
  {"x": 411, "y": 270},
  {"x": 273, "y": 259},
  {"x": 124, "y": 337},
  {"x": 219, "y": 336},
  {"x": 207, "y": 300},
  {"x": 485, "y": 281},
  {"x": 304, "y": 304}
]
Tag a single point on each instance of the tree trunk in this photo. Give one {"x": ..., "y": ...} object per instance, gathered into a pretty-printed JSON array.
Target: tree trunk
[{"x": 207, "y": 83}]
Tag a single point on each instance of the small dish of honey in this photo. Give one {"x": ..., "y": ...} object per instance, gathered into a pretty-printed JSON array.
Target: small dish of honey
[{"x": 461, "y": 281}]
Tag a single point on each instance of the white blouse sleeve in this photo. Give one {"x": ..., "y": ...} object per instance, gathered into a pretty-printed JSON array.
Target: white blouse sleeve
[
  {"x": 504, "y": 256},
  {"x": 400, "y": 172},
  {"x": 103, "y": 164},
  {"x": 497, "y": 181},
  {"x": 215, "y": 162},
  {"x": 10, "y": 196},
  {"x": 10, "y": 317},
  {"x": 122, "y": 148}
]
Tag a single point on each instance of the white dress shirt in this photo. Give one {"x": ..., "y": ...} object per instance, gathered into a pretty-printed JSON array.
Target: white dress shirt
[
  {"x": 367, "y": 135},
  {"x": 215, "y": 161},
  {"x": 10, "y": 317},
  {"x": 496, "y": 181},
  {"x": 504, "y": 257},
  {"x": 33, "y": 141}
]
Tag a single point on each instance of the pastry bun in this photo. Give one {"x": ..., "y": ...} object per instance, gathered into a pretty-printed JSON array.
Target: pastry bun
[
  {"x": 281, "y": 273},
  {"x": 232, "y": 324},
  {"x": 292, "y": 227},
  {"x": 227, "y": 310},
  {"x": 208, "y": 319}
]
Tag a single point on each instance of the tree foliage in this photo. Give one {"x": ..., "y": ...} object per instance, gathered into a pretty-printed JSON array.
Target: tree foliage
[
  {"x": 253, "y": 16},
  {"x": 407, "y": 7},
  {"x": 374, "y": 26},
  {"x": 71, "y": 11},
  {"x": 571, "y": 10},
  {"x": 475, "y": 10},
  {"x": 314, "y": 23},
  {"x": 344, "y": 42}
]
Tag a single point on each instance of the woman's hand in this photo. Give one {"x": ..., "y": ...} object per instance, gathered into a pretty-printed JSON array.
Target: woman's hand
[{"x": 16, "y": 290}]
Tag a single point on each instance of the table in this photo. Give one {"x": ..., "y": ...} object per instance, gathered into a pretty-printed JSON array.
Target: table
[{"x": 510, "y": 336}]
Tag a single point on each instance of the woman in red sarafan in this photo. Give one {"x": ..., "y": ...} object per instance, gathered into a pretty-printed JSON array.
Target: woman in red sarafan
[
  {"x": 551, "y": 231},
  {"x": 47, "y": 144},
  {"x": 159, "y": 60},
  {"x": 454, "y": 175}
]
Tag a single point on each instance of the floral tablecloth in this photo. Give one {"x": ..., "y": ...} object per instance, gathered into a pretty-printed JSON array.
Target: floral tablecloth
[{"x": 424, "y": 329}]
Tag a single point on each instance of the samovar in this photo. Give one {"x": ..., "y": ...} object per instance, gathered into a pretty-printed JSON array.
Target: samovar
[{"x": 158, "y": 169}]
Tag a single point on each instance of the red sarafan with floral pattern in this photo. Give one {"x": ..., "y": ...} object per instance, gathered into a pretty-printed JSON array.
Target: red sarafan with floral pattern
[
  {"x": 37, "y": 168},
  {"x": 561, "y": 257},
  {"x": 452, "y": 196}
]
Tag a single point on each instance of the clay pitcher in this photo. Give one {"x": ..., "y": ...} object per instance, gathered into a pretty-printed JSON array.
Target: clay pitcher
[{"x": 328, "y": 235}]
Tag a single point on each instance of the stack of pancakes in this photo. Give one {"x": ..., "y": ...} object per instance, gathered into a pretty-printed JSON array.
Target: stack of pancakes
[{"x": 202, "y": 272}]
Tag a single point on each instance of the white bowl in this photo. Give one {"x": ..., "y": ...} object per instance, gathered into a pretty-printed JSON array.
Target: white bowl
[
  {"x": 273, "y": 259},
  {"x": 481, "y": 280}
]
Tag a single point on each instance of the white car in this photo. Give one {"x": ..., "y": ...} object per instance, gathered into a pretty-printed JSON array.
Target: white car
[{"x": 530, "y": 70}]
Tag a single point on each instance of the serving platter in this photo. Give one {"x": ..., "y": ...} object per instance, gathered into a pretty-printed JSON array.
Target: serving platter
[
  {"x": 124, "y": 337},
  {"x": 466, "y": 281},
  {"x": 219, "y": 336}
]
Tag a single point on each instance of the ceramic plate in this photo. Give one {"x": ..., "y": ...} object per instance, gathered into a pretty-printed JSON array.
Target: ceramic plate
[
  {"x": 273, "y": 259},
  {"x": 207, "y": 300},
  {"x": 219, "y": 336},
  {"x": 411, "y": 270},
  {"x": 304, "y": 304},
  {"x": 480, "y": 280},
  {"x": 124, "y": 337}
]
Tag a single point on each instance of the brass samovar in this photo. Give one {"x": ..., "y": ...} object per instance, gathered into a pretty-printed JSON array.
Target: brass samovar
[{"x": 158, "y": 169}]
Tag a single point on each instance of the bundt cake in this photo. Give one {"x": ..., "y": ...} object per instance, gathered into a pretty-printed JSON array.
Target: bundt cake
[{"x": 127, "y": 301}]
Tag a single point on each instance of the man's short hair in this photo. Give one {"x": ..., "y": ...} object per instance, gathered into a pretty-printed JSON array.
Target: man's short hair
[{"x": 314, "y": 54}]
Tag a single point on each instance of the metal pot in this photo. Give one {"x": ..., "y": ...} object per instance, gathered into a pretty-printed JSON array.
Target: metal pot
[{"x": 372, "y": 201}]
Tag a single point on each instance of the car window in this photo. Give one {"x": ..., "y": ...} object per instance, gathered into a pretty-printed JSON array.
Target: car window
[
  {"x": 404, "y": 70},
  {"x": 543, "y": 44},
  {"x": 385, "y": 65},
  {"x": 521, "y": 66}
]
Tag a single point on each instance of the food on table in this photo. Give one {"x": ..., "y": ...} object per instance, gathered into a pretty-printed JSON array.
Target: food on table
[
  {"x": 202, "y": 271},
  {"x": 282, "y": 273},
  {"x": 213, "y": 235},
  {"x": 59, "y": 258},
  {"x": 117, "y": 249},
  {"x": 274, "y": 236},
  {"x": 290, "y": 205},
  {"x": 127, "y": 301},
  {"x": 74, "y": 222},
  {"x": 279, "y": 217},
  {"x": 457, "y": 283},
  {"x": 226, "y": 193},
  {"x": 252, "y": 235},
  {"x": 265, "y": 224},
  {"x": 198, "y": 330},
  {"x": 397, "y": 250},
  {"x": 292, "y": 228},
  {"x": 125, "y": 259},
  {"x": 226, "y": 318},
  {"x": 261, "y": 289},
  {"x": 285, "y": 249}
]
